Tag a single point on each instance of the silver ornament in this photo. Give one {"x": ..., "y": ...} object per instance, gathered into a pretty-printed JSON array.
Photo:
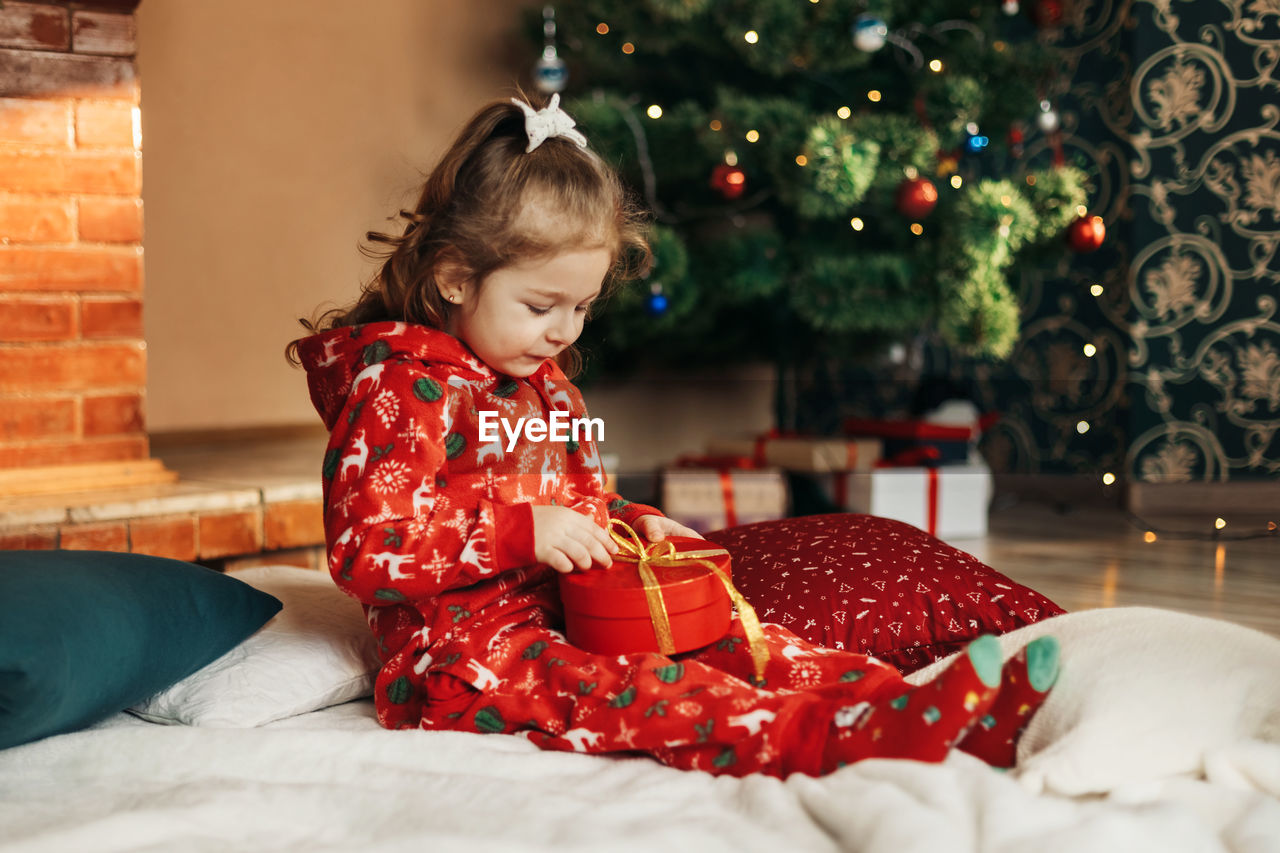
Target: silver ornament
[
  {"x": 550, "y": 74},
  {"x": 1048, "y": 119},
  {"x": 869, "y": 33}
]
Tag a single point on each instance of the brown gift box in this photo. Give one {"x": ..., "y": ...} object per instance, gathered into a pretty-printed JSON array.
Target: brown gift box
[{"x": 814, "y": 455}]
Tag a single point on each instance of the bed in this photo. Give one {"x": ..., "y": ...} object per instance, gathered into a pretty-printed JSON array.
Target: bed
[{"x": 1162, "y": 734}]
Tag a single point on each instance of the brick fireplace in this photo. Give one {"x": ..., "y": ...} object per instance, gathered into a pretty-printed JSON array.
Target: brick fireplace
[{"x": 72, "y": 354}]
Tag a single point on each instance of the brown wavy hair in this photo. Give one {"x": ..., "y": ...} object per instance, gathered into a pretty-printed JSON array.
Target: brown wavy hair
[{"x": 487, "y": 205}]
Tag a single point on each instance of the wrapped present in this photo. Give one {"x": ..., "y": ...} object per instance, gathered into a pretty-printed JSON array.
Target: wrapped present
[
  {"x": 708, "y": 493},
  {"x": 951, "y": 443},
  {"x": 667, "y": 597},
  {"x": 947, "y": 501},
  {"x": 802, "y": 453}
]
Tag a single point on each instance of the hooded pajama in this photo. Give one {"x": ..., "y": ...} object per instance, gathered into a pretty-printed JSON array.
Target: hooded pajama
[{"x": 431, "y": 529}]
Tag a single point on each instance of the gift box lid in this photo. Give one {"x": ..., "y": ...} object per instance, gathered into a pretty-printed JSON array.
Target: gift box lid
[{"x": 618, "y": 591}]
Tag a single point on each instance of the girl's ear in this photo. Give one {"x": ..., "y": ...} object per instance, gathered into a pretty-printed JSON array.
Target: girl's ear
[{"x": 453, "y": 279}]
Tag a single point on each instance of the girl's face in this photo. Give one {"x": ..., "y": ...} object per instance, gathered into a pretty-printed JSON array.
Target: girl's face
[{"x": 523, "y": 314}]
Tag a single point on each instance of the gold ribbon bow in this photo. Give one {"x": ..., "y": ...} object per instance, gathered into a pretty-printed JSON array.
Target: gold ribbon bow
[{"x": 633, "y": 550}]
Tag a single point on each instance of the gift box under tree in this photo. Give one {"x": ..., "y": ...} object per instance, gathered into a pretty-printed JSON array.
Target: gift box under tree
[
  {"x": 946, "y": 443},
  {"x": 947, "y": 501},
  {"x": 802, "y": 453},
  {"x": 710, "y": 493}
]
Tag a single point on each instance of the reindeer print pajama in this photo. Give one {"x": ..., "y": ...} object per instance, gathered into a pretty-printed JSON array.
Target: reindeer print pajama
[{"x": 432, "y": 531}]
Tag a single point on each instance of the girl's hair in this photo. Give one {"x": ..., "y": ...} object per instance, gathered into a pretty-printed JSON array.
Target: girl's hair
[{"x": 489, "y": 204}]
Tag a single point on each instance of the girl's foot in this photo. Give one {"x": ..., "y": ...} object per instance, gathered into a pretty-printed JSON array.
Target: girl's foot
[
  {"x": 924, "y": 722},
  {"x": 1025, "y": 684}
]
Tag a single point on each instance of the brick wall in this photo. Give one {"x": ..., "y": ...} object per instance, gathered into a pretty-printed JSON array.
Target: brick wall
[{"x": 72, "y": 356}]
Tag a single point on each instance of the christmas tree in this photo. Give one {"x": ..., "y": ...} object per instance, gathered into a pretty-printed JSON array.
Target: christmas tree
[{"x": 826, "y": 176}]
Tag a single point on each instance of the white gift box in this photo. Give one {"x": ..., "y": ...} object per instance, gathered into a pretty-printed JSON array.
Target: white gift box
[
  {"x": 949, "y": 501},
  {"x": 711, "y": 499}
]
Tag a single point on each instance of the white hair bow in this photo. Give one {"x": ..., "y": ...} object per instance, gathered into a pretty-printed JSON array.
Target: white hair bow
[{"x": 548, "y": 122}]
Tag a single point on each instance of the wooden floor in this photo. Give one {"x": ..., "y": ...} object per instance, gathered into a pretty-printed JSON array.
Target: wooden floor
[{"x": 1098, "y": 558}]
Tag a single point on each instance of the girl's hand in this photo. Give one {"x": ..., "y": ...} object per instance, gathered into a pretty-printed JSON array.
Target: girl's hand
[
  {"x": 565, "y": 540},
  {"x": 655, "y": 528}
]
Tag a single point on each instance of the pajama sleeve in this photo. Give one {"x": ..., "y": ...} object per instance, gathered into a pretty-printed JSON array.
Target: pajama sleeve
[{"x": 394, "y": 532}]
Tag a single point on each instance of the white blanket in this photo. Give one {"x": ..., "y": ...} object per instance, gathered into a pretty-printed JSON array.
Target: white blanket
[{"x": 333, "y": 780}]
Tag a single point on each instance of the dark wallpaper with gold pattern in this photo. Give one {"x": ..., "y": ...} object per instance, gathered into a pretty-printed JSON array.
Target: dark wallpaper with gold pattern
[{"x": 1158, "y": 356}]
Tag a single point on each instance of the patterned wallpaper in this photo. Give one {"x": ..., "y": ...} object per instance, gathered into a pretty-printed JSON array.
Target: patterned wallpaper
[{"x": 1158, "y": 356}]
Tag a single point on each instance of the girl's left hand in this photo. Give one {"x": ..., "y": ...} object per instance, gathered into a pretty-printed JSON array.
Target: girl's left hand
[{"x": 655, "y": 528}]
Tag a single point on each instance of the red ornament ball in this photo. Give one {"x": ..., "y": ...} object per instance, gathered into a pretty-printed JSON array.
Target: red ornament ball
[
  {"x": 1086, "y": 234},
  {"x": 1046, "y": 13},
  {"x": 729, "y": 181},
  {"x": 916, "y": 198}
]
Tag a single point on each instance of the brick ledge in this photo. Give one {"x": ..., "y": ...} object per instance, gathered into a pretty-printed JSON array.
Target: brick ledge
[{"x": 234, "y": 501}]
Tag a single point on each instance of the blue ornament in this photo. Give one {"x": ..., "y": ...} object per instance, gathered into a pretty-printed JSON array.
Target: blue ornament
[
  {"x": 656, "y": 304},
  {"x": 551, "y": 74},
  {"x": 976, "y": 143},
  {"x": 869, "y": 33}
]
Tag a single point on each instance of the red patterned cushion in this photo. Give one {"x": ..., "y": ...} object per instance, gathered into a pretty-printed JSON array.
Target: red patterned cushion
[{"x": 875, "y": 586}]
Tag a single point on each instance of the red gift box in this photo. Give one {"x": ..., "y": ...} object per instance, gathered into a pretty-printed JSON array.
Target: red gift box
[
  {"x": 668, "y": 597},
  {"x": 606, "y": 611},
  {"x": 950, "y": 442}
]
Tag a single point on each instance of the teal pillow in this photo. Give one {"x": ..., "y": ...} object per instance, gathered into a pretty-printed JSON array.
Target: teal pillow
[{"x": 84, "y": 634}]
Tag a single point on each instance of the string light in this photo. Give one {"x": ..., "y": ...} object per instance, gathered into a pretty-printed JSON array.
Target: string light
[
  {"x": 802, "y": 160},
  {"x": 1216, "y": 533},
  {"x": 751, "y": 36},
  {"x": 654, "y": 111},
  {"x": 1082, "y": 427},
  {"x": 628, "y": 48},
  {"x": 602, "y": 28},
  {"x": 1089, "y": 350},
  {"x": 753, "y": 136},
  {"x": 715, "y": 125},
  {"x": 935, "y": 65},
  {"x": 844, "y": 112},
  {"x": 1081, "y": 210},
  {"x": 956, "y": 181},
  {"x": 1096, "y": 290},
  {"x": 1006, "y": 200},
  {"x": 917, "y": 229},
  {"x": 1205, "y": 531},
  {"x": 857, "y": 223},
  {"x": 873, "y": 96},
  {"x": 1031, "y": 180}
]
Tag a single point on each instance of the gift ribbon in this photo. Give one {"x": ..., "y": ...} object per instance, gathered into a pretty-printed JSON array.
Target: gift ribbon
[
  {"x": 931, "y": 513},
  {"x": 633, "y": 549},
  {"x": 726, "y": 489}
]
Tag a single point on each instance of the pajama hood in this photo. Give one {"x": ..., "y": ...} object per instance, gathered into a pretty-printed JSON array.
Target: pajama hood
[{"x": 334, "y": 358}]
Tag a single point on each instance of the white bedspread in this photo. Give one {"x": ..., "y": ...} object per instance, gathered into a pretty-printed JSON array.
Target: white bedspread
[{"x": 333, "y": 780}]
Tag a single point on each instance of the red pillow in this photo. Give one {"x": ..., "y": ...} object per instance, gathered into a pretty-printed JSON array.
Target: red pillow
[{"x": 875, "y": 586}]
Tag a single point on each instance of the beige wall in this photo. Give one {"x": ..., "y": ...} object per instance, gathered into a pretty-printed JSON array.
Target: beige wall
[{"x": 274, "y": 135}]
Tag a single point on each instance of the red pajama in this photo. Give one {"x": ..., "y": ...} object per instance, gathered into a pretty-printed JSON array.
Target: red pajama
[{"x": 431, "y": 528}]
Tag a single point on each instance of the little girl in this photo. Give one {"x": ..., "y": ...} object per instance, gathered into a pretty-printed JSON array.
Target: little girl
[{"x": 452, "y": 542}]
